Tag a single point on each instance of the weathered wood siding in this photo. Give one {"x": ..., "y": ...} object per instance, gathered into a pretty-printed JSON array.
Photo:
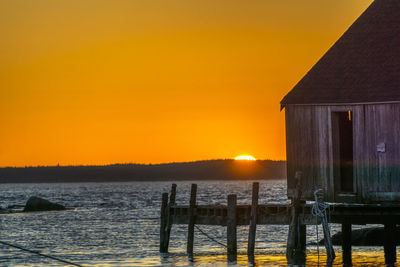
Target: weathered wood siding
[
  {"x": 307, "y": 143},
  {"x": 381, "y": 175},
  {"x": 310, "y": 150}
]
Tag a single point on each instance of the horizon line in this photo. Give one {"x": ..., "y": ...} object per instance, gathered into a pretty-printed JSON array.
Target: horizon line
[{"x": 127, "y": 163}]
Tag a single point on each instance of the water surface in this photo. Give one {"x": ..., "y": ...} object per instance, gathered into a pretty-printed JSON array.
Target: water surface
[{"x": 117, "y": 224}]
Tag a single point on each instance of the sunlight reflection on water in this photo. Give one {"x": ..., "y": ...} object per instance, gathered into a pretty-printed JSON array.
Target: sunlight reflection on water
[{"x": 117, "y": 224}]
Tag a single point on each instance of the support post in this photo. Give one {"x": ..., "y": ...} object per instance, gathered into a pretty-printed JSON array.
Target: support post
[
  {"x": 192, "y": 218},
  {"x": 163, "y": 222},
  {"x": 346, "y": 244},
  {"x": 303, "y": 240},
  {"x": 169, "y": 221},
  {"x": 231, "y": 231},
  {"x": 390, "y": 244},
  {"x": 330, "y": 253},
  {"x": 253, "y": 223},
  {"x": 296, "y": 244}
]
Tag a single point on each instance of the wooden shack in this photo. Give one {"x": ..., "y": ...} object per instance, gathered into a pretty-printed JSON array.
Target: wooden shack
[{"x": 343, "y": 117}]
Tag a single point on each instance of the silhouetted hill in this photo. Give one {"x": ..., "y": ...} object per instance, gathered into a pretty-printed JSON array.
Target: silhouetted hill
[{"x": 198, "y": 170}]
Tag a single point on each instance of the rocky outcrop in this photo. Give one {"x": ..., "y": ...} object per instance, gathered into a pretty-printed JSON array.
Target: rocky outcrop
[
  {"x": 40, "y": 204},
  {"x": 372, "y": 236}
]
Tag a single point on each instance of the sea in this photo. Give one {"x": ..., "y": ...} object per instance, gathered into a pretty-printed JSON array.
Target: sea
[{"x": 117, "y": 224}]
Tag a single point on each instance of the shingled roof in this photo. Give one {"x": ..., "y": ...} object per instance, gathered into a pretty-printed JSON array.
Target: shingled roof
[{"x": 363, "y": 66}]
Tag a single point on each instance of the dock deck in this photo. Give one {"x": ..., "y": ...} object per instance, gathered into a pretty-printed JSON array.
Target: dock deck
[{"x": 280, "y": 214}]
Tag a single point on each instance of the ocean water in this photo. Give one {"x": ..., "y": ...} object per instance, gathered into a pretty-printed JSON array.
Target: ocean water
[{"x": 117, "y": 224}]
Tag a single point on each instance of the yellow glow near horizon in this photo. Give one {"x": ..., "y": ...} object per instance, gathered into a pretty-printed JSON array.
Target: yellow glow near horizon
[
  {"x": 102, "y": 82},
  {"x": 245, "y": 157}
]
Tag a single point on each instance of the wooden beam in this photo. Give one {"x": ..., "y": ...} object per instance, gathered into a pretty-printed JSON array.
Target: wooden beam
[
  {"x": 390, "y": 244},
  {"x": 253, "y": 223},
  {"x": 346, "y": 244},
  {"x": 295, "y": 249},
  {"x": 163, "y": 223},
  {"x": 280, "y": 214},
  {"x": 192, "y": 206},
  {"x": 303, "y": 240},
  {"x": 169, "y": 221},
  {"x": 231, "y": 229}
]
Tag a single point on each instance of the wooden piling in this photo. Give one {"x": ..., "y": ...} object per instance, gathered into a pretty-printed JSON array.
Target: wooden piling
[
  {"x": 390, "y": 244},
  {"x": 163, "y": 223},
  {"x": 297, "y": 237},
  {"x": 192, "y": 218},
  {"x": 253, "y": 223},
  {"x": 302, "y": 241},
  {"x": 231, "y": 229},
  {"x": 169, "y": 221},
  {"x": 296, "y": 244},
  {"x": 346, "y": 244}
]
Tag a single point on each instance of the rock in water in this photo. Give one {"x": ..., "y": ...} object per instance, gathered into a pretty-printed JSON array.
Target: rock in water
[{"x": 40, "y": 204}]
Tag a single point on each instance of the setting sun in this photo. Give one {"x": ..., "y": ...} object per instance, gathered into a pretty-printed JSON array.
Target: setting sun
[{"x": 245, "y": 157}]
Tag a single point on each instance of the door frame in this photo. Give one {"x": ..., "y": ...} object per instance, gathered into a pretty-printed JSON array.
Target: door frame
[{"x": 338, "y": 194}]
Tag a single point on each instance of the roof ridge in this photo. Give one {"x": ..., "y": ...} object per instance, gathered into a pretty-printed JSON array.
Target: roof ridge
[{"x": 362, "y": 66}]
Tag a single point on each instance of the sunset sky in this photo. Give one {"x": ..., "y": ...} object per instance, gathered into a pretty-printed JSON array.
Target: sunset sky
[{"x": 100, "y": 82}]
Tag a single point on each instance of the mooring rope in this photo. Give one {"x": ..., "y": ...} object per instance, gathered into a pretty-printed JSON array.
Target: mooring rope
[
  {"x": 316, "y": 228},
  {"x": 210, "y": 237},
  {"x": 319, "y": 207},
  {"x": 40, "y": 254},
  {"x": 319, "y": 210}
]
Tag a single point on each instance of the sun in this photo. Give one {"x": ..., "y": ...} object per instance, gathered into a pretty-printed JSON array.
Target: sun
[{"x": 245, "y": 157}]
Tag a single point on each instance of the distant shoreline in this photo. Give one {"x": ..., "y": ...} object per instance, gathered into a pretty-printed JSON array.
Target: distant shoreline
[{"x": 207, "y": 170}]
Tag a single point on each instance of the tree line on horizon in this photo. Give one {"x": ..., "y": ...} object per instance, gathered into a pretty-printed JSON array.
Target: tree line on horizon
[{"x": 227, "y": 169}]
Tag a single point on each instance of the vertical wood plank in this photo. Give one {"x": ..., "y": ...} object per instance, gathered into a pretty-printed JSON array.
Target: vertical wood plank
[
  {"x": 309, "y": 162},
  {"x": 302, "y": 239},
  {"x": 331, "y": 183},
  {"x": 231, "y": 229},
  {"x": 253, "y": 222},
  {"x": 290, "y": 154},
  {"x": 395, "y": 159},
  {"x": 296, "y": 243},
  {"x": 169, "y": 222},
  {"x": 192, "y": 218},
  {"x": 369, "y": 150},
  {"x": 373, "y": 132},
  {"x": 323, "y": 147},
  {"x": 359, "y": 154},
  {"x": 346, "y": 244},
  {"x": 390, "y": 244},
  {"x": 163, "y": 222}
]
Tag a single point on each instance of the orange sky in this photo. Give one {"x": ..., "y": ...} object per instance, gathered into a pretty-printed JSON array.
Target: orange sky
[{"x": 99, "y": 82}]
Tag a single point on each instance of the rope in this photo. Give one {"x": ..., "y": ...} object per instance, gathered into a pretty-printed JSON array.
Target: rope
[
  {"x": 319, "y": 209},
  {"x": 40, "y": 254},
  {"x": 210, "y": 237}
]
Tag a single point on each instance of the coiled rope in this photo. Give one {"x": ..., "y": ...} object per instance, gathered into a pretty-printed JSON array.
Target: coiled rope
[
  {"x": 40, "y": 254},
  {"x": 319, "y": 210},
  {"x": 319, "y": 207}
]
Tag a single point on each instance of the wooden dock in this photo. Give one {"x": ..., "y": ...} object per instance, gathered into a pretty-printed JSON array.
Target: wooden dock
[
  {"x": 279, "y": 214},
  {"x": 233, "y": 215}
]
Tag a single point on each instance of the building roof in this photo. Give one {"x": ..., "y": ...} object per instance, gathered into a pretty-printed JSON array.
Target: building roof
[{"x": 363, "y": 66}]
